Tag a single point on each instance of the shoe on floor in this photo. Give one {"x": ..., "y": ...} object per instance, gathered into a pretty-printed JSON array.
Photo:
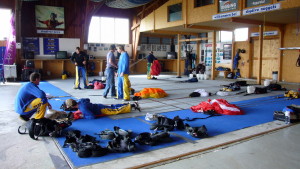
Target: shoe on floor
[
  {"x": 126, "y": 100},
  {"x": 24, "y": 118},
  {"x": 105, "y": 97},
  {"x": 136, "y": 106},
  {"x": 154, "y": 78},
  {"x": 79, "y": 88}
]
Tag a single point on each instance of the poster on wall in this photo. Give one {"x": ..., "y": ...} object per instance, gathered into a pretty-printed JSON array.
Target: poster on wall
[
  {"x": 31, "y": 44},
  {"x": 49, "y": 17},
  {"x": 251, "y": 3},
  {"x": 51, "y": 46},
  {"x": 228, "y": 5},
  {"x": 227, "y": 51}
]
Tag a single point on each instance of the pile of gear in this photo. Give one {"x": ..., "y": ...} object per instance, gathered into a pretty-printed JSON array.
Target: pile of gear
[
  {"x": 52, "y": 125},
  {"x": 84, "y": 145},
  {"x": 166, "y": 124},
  {"x": 119, "y": 141}
]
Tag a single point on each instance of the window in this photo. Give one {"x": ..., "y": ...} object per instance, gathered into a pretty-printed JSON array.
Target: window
[
  {"x": 5, "y": 22},
  {"x": 241, "y": 34},
  {"x": 225, "y": 36},
  {"x": 109, "y": 30},
  {"x": 175, "y": 12},
  {"x": 199, "y": 3}
]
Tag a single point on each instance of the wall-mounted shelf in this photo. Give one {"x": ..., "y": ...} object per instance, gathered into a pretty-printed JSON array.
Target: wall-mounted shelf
[{"x": 290, "y": 48}]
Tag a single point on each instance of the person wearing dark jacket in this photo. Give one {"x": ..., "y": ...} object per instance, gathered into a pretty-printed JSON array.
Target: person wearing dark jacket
[
  {"x": 80, "y": 59},
  {"x": 150, "y": 59},
  {"x": 92, "y": 111},
  {"x": 31, "y": 99}
]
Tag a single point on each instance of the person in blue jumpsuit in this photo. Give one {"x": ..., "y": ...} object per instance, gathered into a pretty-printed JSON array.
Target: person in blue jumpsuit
[
  {"x": 30, "y": 99},
  {"x": 123, "y": 75},
  {"x": 80, "y": 59},
  {"x": 92, "y": 111},
  {"x": 111, "y": 67}
]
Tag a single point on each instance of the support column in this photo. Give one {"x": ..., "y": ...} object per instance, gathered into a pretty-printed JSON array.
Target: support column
[
  {"x": 178, "y": 56},
  {"x": 214, "y": 46},
  {"x": 261, "y": 39}
]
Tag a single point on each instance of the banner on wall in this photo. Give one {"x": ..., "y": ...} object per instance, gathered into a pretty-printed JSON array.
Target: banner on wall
[
  {"x": 49, "y": 17},
  {"x": 228, "y": 5},
  {"x": 51, "y": 46},
  {"x": 251, "y": 3},
  {"x": 10, "y": 51}
]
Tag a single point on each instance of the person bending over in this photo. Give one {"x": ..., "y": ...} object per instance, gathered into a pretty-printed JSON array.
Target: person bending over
[
  {"x": 31, "y": 99},
  {"x": 92, "y": 111}
]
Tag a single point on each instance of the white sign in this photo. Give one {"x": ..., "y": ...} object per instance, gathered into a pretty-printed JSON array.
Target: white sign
[
  {"x": 226, "y": 15},
  {"x": 269, "y": 33},
  {"x": 261, "y": 9},
  {"x": 50, "y": 31}
]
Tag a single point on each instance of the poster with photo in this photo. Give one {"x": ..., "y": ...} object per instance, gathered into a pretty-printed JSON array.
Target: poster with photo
[{"x": 49, "y": 17}]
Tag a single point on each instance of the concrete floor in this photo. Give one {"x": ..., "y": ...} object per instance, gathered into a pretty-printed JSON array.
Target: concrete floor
[{"x": 270, "y": 145}]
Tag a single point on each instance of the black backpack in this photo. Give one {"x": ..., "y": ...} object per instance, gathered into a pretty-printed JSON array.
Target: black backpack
[
  {"x": 46, "y": 127},
  {"x": 167, "y": 124},
  {"x": 274, "y": 87}
]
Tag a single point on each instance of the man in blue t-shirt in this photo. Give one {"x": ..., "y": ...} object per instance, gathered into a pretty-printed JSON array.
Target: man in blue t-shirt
[
  {"x": 123, "y": 75},
  {"x": 31, "y": 99}
]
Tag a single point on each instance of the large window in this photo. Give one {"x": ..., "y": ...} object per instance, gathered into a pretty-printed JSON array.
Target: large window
[
  {"x": 199, "y": 3},
  {"x": 175, "y": 12},
  {"x": 241, "y": 34},
  {"x": 5, "y": 23},
  {"x": 109, "y": 30}
]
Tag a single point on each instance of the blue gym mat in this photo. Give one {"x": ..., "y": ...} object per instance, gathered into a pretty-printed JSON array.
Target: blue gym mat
[{"x": 257, "y": 111}]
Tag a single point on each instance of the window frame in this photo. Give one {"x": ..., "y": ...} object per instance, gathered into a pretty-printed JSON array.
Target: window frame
[
  {"x": 209, "y": 3},
  {"x": 115, "y": 30},
  {"x": 169, "y": 19}
]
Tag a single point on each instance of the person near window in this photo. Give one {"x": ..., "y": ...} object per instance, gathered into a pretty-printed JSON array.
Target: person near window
[
  {"x": 111, "y": 67},
  {"x": 30, "y": 99},
  {"x": 150, "y": 59},
  {"x": 123, "y": 75},
  {"x": 80, "y": 59},
  {"x": 91, "y": 110}
]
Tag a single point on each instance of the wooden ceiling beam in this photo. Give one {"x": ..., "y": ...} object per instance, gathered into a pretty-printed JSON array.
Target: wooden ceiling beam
[
  {"x": 207, "y": 27},
  {"x": 254, "y": 22},
  {"x": 193, "y": 39},
  {"x": 174, "y": 32}
]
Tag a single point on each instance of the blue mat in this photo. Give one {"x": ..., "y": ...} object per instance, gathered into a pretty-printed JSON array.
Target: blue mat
[{"x": 257, "y": 111}]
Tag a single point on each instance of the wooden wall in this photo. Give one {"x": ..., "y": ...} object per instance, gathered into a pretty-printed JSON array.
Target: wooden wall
[
  {"x": 244, "y": 63},
  {"x": 291, "y": 73}
]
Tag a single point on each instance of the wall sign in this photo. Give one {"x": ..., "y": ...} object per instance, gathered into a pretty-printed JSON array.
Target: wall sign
[
  {"x": 51, "y": 46},
  {"x": 226, "y": 15},
  {"x": 251, "y": 3},
  {"x": 31, "y": 44},
  {"x": 269, "y": 33},
  {"x": 228, "y": 5},
  {"x": 261, "y": 9},
  {"x": 50, "y": 31}
]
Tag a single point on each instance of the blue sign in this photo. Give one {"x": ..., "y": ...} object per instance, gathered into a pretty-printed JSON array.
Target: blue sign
[
  {"x": 51, "y": 46},
  {"x": 31, "y": 44}
]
